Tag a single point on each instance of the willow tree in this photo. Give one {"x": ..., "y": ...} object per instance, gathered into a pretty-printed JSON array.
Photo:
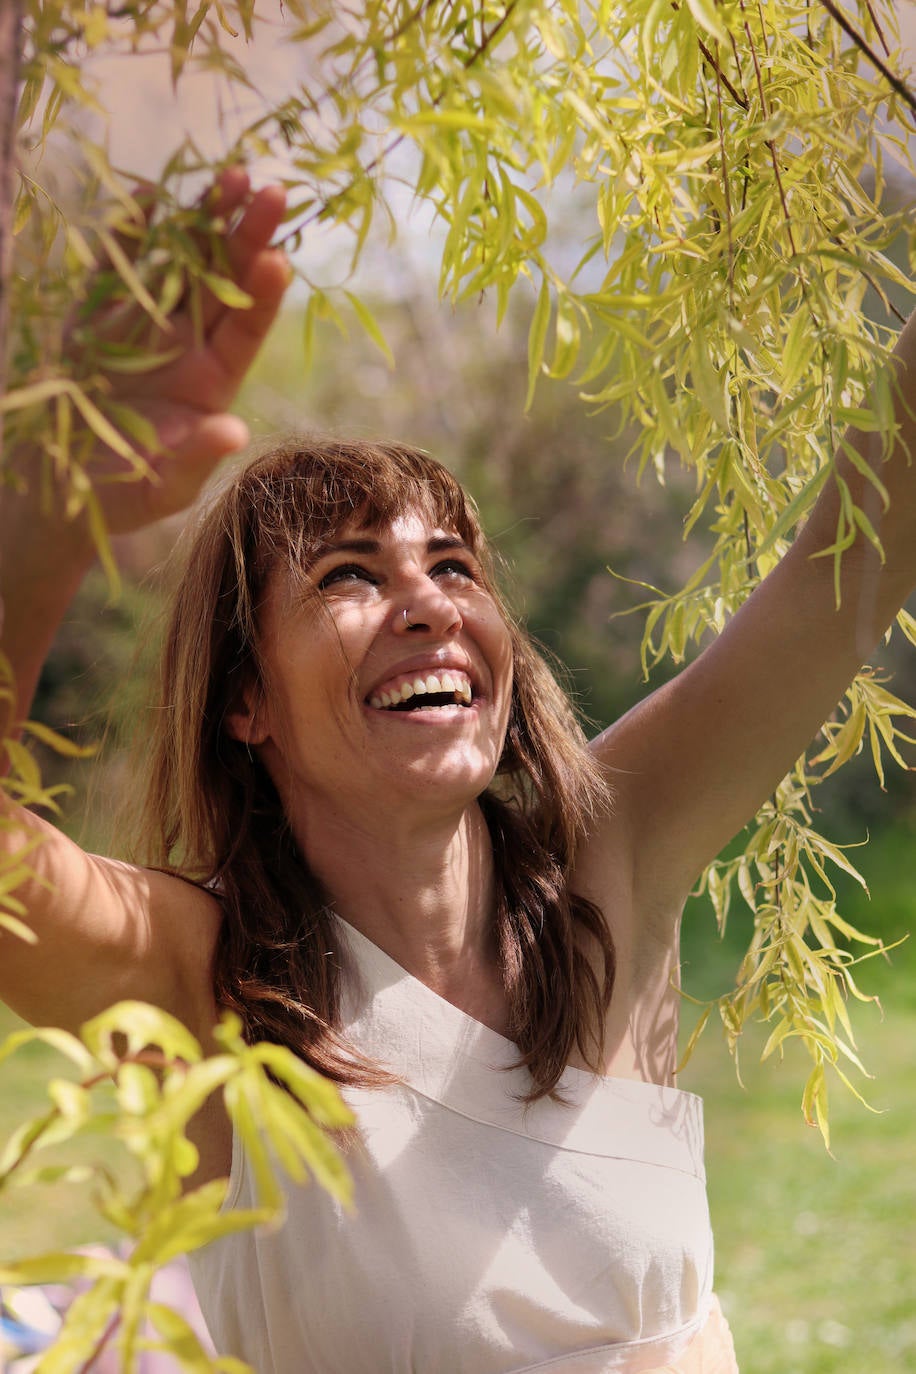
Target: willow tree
[{"x": 727, "y": 161}]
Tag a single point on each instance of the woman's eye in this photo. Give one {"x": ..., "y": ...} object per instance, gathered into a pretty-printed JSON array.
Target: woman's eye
[
  {"x": 346, "y": 572},
  {"x": 453, "y": 567}
]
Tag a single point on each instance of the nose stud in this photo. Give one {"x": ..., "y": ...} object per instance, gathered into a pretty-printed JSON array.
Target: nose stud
[{"x": 419, "y": 624}]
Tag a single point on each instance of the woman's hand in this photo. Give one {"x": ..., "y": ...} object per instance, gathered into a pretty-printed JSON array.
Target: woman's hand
[
  {"x": 186, "y": 400},
  {"x": 44, "y": 552}
]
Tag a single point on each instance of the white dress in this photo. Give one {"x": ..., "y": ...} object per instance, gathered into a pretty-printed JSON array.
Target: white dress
[{"x": 490, "y": 1237}]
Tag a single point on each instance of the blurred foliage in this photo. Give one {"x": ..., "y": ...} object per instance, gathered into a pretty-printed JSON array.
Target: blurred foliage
[{"x": 141, "y": 1077}]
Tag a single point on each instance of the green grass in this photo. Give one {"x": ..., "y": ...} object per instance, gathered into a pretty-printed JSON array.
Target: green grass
[
  {"x": 815, "y": 1260},
  {"x": 816, "y": 1264}
]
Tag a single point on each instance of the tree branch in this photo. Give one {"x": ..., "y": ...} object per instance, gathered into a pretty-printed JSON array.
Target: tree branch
[
  {"x": 895, "y": 82},
  {"x": 10, "y": 47},
  {"x": 486, "y": 41}
]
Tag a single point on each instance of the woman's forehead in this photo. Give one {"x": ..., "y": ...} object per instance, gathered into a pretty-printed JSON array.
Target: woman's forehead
[{"x": 412, "y": 523}]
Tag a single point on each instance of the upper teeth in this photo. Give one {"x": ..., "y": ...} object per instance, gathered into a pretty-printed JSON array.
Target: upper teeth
[{"x": 424, "y": 685}]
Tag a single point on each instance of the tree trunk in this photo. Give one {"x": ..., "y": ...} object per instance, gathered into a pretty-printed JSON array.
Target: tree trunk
[{"x": 10, "y": 46}]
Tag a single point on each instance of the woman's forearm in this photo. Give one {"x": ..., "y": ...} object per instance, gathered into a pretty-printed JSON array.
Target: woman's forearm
[
  {"x": 43, "y": 558},
  {"x": 878, "y": 585}
]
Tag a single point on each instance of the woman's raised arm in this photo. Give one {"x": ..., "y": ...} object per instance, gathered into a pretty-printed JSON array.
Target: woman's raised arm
[
  {"x": 108, "y": 930},
  {"x": 694, "y": 761},
  {"x": 42, "y": 556}
]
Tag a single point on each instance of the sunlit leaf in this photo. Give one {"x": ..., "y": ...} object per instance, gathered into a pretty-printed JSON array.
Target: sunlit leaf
[
  {"x": 227, "y": 292},
  {"x": 371, "y": 326},
  {"x": 67, "y": 748},
  {"x": 537, "y": 338},
  {"x": 141, "y": 1025}
]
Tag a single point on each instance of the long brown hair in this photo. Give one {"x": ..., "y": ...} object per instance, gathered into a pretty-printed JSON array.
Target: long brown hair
[{"x": 212, "y": 814}]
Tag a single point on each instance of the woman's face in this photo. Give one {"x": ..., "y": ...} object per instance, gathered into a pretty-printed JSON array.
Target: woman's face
[{"x": 366, "y": 707}]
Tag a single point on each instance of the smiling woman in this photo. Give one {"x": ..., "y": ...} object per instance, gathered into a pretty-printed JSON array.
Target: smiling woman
[
  {"x": 278, "y": 646},
  {"x": 374, "y": 829}
]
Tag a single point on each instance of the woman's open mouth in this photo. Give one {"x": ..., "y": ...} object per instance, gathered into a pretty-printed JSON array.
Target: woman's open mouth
[{"x": 424, "y": 692}]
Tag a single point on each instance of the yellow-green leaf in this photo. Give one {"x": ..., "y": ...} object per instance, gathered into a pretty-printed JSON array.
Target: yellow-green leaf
[
  {"x": 227, "y": 292},
  {"x": 371, "y": 326},
  {"x": 537, "y": 337}
]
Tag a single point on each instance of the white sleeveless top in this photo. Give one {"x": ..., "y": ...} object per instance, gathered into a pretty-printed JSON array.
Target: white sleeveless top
[{"x": 490, "y": 1237}]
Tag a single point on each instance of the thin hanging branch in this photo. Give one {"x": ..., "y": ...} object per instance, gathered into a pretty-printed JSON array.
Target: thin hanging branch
[
  {"x": 895, "y": 82},
  {"x": 486, "y": 41},
  {"x": 726, "y": 185},
  {"x": 716, "y": 65},
  {"x": 712, "y": 59},
  {"x": 10, "y": 48},
  {"x": 878, "y": 29}
]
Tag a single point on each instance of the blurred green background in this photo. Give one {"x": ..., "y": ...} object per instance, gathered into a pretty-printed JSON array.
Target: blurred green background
[{"x": 815, "y": 1257}]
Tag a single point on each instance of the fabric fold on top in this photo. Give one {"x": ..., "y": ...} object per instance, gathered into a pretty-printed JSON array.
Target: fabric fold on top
[{"x": 452, "y": 1059}]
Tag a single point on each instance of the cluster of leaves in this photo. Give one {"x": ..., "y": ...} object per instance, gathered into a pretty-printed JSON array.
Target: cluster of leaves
[
  {"x": 727, "y": 162},
  {"x": 728, "y": 165},
  {"x": 141, "y": 1078},
  {"x": 22, "y": 781}
]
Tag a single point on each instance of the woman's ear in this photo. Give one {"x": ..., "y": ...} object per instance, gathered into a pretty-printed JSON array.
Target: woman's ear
[{"x": 247, "y": 721}]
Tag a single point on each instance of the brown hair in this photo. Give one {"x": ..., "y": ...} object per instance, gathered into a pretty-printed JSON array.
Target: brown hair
[{"x": 212, "y": 814}]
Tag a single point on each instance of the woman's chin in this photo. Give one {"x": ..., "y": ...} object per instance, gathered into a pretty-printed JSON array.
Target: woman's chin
[{"x": 449, "y": 781}]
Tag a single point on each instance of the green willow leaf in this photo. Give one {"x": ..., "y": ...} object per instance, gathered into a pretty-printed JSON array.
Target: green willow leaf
[
  {"x": 67, "y": 748},
  {"x": 226, "y": 291},
  {"x": 131, "y": 278},
  {"x": 371, "y": 326},
  {"x": 537, "y": 338},
  {"x": 62, "y": 1268},
  {"x": 141, "y": 1025}
]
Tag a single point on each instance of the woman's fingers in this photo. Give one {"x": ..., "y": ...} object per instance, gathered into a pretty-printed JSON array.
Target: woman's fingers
[
  {"x": 242, "y": 224},
  {"x": 216, "y": 346},
  {"x": 184, "y": 398},
  {"x": 244, "y": 240},
  {"x": 228, "y": 192},
  {"x": 257, "y": 226},
  {"x": 183, "y": 470},
  {"x": 237, "y": 335}
]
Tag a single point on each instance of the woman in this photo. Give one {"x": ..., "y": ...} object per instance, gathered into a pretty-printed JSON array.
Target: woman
[{"x": 459, "y": 911}]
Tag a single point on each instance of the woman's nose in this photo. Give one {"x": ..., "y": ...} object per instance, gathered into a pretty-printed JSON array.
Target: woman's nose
[{"x": 427, "y": 610}]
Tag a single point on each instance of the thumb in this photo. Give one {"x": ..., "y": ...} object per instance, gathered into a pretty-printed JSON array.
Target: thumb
[{"x": 185, "y": 466}]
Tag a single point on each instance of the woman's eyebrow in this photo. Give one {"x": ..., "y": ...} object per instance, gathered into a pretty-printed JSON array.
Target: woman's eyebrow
[
  {"x": 440, "y": 543},
  {"x": 347, "y": 546},
  {"x": 443, "y": 542}
]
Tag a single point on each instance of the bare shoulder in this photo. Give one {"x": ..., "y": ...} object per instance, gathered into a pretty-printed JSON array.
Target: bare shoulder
[
  {"x": 104, "y": 931},
  {"x": 174, "y": 921}
]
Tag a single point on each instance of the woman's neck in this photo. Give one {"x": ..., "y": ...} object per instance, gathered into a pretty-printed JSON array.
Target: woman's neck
[{"x": 422, "y": 891}]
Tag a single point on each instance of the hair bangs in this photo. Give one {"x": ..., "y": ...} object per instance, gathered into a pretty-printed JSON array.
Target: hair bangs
[{"x": 306, "y": 493}]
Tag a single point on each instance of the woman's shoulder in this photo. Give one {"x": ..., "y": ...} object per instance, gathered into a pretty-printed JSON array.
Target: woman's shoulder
[
  {"x": 185, "y": 917},
  {"x": 104, "y": 931}
]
